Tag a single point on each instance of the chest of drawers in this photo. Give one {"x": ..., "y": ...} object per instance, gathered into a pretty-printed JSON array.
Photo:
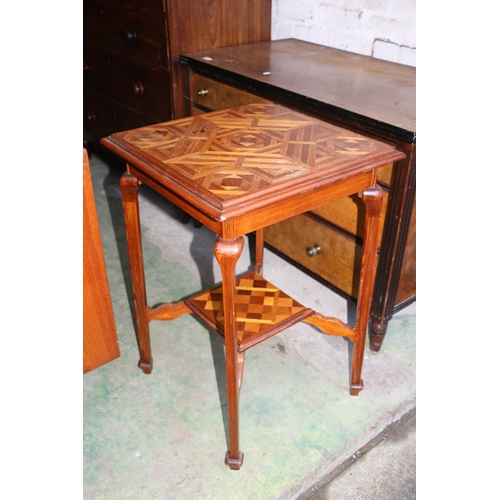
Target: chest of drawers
[
  {"x": 370, "y": 96},
  {"x": 131, "y": 54}
]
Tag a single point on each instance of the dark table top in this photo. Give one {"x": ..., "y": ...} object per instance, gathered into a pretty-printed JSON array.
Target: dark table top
[{"x": 377, "y": 94}]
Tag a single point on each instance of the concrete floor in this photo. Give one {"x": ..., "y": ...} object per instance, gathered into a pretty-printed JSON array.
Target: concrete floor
[
  {"x": 384, "y": 469},
  {"x": 164, "y": 435}
]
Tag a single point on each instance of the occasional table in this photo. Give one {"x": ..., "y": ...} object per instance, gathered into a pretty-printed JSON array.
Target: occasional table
[{"x": 237, "y": 171}]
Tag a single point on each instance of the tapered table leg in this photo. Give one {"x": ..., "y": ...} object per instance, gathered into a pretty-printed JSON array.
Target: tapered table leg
[
  {"x": 259, "y": 251},
  {"x": 227, "y": 253},
  {"x": 130, "y": 191},
  {"x": 373, "y": 201}
]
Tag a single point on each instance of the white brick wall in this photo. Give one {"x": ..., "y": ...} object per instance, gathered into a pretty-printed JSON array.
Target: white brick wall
[{"x": 378, "y": 28}]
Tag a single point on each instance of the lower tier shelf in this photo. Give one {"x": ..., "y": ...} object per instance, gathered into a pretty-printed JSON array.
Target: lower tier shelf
[{"x": 262, "y": 310}]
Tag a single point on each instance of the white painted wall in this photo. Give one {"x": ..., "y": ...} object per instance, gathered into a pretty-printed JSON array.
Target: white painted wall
[{"x": 378, "y": 28}]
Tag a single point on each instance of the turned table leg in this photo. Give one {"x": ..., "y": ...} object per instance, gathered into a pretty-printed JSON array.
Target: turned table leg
[
  {"x": 394, "y": 240},
  {"x": 130, "y": 190},
  {"x": 227, "y": 253},
  {"x": 373, "y": 201}
]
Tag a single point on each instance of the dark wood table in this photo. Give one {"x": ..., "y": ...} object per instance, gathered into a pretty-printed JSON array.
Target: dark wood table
[
  {"x": 237, "y": 171},
  {"x": 363, "y": 94}
]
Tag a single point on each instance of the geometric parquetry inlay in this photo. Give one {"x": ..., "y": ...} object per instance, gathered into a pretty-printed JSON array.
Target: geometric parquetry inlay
[
  {"x": 246, "y": 148},
  {"x": 261, "y": 308}
]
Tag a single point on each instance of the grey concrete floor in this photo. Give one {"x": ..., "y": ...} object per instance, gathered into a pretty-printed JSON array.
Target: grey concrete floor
[{"x": 387, "y": 471}]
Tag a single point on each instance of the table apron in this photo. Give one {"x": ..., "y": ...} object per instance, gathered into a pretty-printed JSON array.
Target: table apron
[
  {"x": 234, "y": 225},
  {"x": 298, "y": 204},
  {"x": 177, "y": 200}
]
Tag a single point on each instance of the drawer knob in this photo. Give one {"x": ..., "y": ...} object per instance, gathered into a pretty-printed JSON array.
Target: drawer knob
[
  {"x": 314, "y": 250},
  {"x": 86, "y": 68},
  {"x": 129, "y": 35},
  {"x": 137, "y": 88},
  {"x": 91, "y": 117},
  {"x": 202, "y": 92}
]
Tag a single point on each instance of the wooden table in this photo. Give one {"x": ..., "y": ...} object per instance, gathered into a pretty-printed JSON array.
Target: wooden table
[
  {"x": 237, "y": 171},
  {"x": 366, "y": 95}
]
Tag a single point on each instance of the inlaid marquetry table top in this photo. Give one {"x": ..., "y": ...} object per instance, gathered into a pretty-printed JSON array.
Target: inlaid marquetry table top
[{"x": 239, "y": 159}]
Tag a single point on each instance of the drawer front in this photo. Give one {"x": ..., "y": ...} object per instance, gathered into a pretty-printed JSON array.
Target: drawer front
[
  {"x": 349, "y": 214},
  {"x": 102, "y": 117},
  {"x": 338, "y": 262},
  {"x": 214, "y": 95},
  {"x": 148, "y": 4},
  {"x": 143, "y": 88},
  {"x": 131, "y": 33},
  {"x": 384, "y": 175},
  {"x": 196, "y": 111}
]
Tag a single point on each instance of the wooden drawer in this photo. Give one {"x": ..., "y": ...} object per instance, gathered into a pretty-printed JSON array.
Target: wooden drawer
[
  {"x": 144, "y": 88},
  {"x": 384, "y": 175},
  {"x": 102, "y": 117},
  {"x": 135, "y": 34},
  {"x": 339, "y": 261},
  {"x": 213, "y": 95},
  {"x": 148, "y": 4},
  {"x": 349, "y": 214}
]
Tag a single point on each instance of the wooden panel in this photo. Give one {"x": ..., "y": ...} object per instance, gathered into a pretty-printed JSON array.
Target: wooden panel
[
  {"x": 135, "y": 34},
  {"x": 100, "y": 340},
  {"x": 339, "y": 260},
  {"x": 101, "y": 116},
  {"x": 200, "y": 25},
  {"x": 214, "y": 95},
  {"x": 153, "y": 32},
  {"x": 138, "y": 4},
  {"x": 408, "y": 279},
  {"x": 384, "y": 175},
  {"x": 219, "y": 23},
  {"x": 349, "y": 214},
  {"x": 196, "y": 111},
  {"x": 144, "y": 88}
]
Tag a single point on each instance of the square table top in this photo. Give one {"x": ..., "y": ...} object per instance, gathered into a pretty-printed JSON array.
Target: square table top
[{"x": 243, "y": 158}]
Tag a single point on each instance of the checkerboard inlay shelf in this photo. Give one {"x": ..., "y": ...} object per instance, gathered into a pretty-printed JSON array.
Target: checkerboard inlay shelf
[{"x": 262, "y": 309}]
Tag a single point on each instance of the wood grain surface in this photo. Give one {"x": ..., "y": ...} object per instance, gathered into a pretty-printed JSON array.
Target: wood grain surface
[{"x": 247, "y": 154}]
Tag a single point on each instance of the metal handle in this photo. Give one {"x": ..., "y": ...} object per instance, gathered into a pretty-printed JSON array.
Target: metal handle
[
  {"x": 202, "y": 92},
  {"x": 129, "y": 35},
  {"x": 314, "y": 250},
  {"x": 137, "y": 88}
]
